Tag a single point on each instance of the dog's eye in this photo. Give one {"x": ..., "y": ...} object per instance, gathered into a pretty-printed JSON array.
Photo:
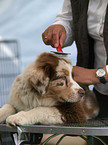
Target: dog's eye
[
  {"x": 39, "y": 83},
  {"x": 60, "y": 84}
]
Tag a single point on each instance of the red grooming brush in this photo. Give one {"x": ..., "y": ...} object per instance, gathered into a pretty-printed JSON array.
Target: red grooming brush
[{"x": 60, "y": 52}]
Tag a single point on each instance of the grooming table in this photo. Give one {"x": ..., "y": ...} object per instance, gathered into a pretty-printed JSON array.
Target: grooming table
[{"x": 96, "y": 127}]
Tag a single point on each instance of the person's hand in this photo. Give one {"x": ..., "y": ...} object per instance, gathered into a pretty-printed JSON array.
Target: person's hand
[
  {"x": 54, "y": 35},
  {"x": 85, "y": 76}
]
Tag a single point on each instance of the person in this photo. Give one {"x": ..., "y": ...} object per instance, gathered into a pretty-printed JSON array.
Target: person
[{"x": 86, "y": 23}]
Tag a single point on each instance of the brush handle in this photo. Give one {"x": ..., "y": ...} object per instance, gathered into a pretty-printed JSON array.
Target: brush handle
[{"x": 59, "y": 49}]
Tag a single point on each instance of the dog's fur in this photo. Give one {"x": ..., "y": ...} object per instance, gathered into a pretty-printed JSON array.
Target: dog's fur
[{"x": 46, "y": 93}]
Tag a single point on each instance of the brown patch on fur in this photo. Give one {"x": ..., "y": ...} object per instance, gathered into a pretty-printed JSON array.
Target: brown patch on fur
[
  {"x": 66, "y": 60},
  {"x": 90, "y": 104},
  {"x": 48, "y": 63},
  {"x": 72, "y": 112}
]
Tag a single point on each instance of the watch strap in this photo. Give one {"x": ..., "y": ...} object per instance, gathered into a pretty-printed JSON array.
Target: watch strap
[{"x": 102, "y": 80}]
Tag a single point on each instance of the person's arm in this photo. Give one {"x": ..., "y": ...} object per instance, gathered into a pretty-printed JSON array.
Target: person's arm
[
  {"x": 60, "y": 33},
  {"x": 87, "y": 76},
  {"x": 64, "y": 18}
]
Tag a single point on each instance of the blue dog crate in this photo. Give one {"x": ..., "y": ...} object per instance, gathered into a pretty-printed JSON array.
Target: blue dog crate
[{"x": 9, "y": 67}]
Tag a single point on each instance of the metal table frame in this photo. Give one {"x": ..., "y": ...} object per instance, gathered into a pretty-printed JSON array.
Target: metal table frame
[
  {"x": 59, "y": 129},
  {"x": 92, "y": 128}
]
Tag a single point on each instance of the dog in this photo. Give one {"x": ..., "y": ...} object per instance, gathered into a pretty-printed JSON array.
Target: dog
[{"x": 47, "y": 93}]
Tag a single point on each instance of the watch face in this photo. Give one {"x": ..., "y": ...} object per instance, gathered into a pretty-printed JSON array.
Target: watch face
[{"x": 100, "y": 72}]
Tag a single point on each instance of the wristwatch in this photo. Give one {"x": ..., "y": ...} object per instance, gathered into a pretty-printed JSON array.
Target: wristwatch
[{"x": 100, "y": 73}]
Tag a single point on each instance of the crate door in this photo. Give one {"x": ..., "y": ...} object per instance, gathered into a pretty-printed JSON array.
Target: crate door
[{"x": 9, "y": 67}]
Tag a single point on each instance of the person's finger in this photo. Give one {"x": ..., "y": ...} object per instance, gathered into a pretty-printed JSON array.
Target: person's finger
[
  {"x": 55, "y": 39},
  {"x": 46, "y": 36},
  {"x": 62, "y": 38}
]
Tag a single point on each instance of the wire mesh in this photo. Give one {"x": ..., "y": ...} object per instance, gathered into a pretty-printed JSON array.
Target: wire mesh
[
  {"x": 97, "y": 122},
  {"x": 9, "y": 67}
]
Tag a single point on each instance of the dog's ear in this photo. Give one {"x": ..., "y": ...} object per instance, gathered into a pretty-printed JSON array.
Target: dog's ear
[
  {"x": 47, "y": 62},
  {"x": 49, "y": 70},
  {"x": 42, "y": 71},
  {"x": 38, "y": 79}
]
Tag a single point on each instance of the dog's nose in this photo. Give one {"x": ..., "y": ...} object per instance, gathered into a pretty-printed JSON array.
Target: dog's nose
[{"x": 81, "y": 92}]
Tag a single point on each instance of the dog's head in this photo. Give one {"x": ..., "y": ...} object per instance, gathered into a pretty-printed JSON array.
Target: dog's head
[{"x": 51, "y": 76}]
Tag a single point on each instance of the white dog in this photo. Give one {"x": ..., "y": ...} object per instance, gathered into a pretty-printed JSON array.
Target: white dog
[{"x": 46, "y": 92}]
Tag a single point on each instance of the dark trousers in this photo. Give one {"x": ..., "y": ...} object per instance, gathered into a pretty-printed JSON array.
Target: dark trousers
[{"x": 103, "y": 104}]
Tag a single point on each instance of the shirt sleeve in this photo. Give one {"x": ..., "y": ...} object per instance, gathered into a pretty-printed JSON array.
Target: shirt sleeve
[{"x": 64, "y": 18}]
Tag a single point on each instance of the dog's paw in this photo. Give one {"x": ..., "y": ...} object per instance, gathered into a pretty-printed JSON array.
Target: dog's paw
[
  {"x": 2, "y": 116},
  {"x": 17, "y": 119},
  {"x": 6, "y": 111}
]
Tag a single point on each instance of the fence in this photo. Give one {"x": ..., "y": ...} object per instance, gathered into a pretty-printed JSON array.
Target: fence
[{"x": 9, "y": 67}]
